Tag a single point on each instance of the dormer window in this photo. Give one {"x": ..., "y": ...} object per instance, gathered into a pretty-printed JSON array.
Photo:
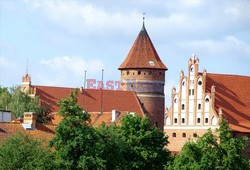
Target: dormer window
[{"x": 151, "y": 63}]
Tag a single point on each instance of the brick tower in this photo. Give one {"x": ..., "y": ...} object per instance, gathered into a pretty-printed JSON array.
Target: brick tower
[{"x": 143, "y": 72}]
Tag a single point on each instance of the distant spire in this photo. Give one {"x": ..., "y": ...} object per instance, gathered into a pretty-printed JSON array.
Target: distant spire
[
  {"x": 27, "y": 66},
  {"x": 143, "y": 25}
]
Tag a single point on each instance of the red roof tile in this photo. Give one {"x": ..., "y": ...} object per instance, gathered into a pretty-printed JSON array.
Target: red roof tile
[
  {"x": 142, "y": 53},
  {"x": 233, "y": 96},
  {"x": 123, "y": 101}
]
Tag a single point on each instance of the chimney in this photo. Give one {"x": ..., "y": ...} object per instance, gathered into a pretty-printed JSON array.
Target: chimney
[
  {"x": 115, "y": 114},
  {"x": 29, "y": 120}
]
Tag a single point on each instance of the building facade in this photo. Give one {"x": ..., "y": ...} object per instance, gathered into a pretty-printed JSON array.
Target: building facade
[{"x": 202, "y": 101}]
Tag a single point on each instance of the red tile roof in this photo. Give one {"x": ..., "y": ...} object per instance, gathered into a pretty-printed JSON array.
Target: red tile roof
[
  {"x": 45, "y": 132},
  {"x": 90, "y": 99},
  {"x": 142, "y": 53},
  {"x": 233, "y": 96}
]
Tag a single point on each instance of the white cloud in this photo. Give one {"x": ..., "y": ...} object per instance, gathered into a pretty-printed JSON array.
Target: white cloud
[{"x": 74, "y": 66}]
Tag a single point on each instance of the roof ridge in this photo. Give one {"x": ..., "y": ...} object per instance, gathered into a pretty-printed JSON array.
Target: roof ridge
[{"x": 227, "y": 74}]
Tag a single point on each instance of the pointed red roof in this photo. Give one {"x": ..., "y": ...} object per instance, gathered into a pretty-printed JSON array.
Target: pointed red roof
[{"x": 143, "y": 54}]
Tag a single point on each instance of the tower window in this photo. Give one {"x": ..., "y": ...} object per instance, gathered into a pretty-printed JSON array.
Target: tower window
[
  {"x": 199, "y": 106},
  {"x": 207, "y": 100},
  {"x": 183, "y": 135},
  {"x": 182, "y": 120},
  {"x": 206, "y": 120},
  {"x": 139, "y": 72},
  {"x": 132, "y": 85},
  {"x": 127, "y": 72},
  {"x": 199, "y": 120},
  {"x": 199, "y": 82},
  {"x": 174, "y": 135},
  {"x": 175, "y": 120},
  {"x": 189, "y": 92},
  {"x": 175, "y": 100},
  {"x": 144, "y": 73},
  {"x": 195, "y": 135},
  {"x": 183, "y": 107},
  {"x": 183, "y": 83},
  {"x": 133, "y": 73}
]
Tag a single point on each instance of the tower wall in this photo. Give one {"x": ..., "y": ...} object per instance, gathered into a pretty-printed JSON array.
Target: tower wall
[{"x": 149, "y": 87}]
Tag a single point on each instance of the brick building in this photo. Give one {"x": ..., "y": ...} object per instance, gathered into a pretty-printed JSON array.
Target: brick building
[{"x": 202, "y": 101}]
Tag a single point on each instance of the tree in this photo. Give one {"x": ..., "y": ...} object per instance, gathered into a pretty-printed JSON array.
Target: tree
[
  {"x": 23, "y": 152},
  {"x": 18, "y": 102},
  {"x": 5, "y": 98},
  {"x": 75, "y": 141},
  {"x": 145, "y": 144},
  {"x": 213, "y": 151}
]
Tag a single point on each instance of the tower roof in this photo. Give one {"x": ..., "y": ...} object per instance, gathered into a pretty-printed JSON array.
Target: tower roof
[{"x": 142, "y": 54}]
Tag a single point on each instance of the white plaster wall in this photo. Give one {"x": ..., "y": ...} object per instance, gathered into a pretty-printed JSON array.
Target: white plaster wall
[
  {"x": 176, "y": 104},
  {"x": 190, "y": 119},
  {"x": 207, "y": 104},
  {"x": 214, "y": 120},
  {"x": 168, "y": 121},
  {"x": 199, "y": 89}
]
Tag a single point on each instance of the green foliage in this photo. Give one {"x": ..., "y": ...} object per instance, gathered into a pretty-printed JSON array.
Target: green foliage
[
  {"x": 75, "y": 140},
  {"x": 145, "y": 144},
  {"x": 17, "y": 102},
  {"x": 22, "y": 152},
  {"x": 213, "y": 152}
]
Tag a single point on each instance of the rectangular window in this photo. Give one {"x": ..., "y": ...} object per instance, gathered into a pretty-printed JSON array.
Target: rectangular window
[
  {"x": 192, "y": 91},
  {"x": 189, "y": 92}
]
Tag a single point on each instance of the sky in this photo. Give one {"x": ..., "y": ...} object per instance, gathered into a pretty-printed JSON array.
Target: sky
[{"x": 61, "y": 39}]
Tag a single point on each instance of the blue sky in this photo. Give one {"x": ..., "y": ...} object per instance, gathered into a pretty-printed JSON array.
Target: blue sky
[{"x": 61, "y": 39}]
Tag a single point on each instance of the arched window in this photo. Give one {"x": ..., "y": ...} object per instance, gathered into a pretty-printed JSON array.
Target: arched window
[
  {"x": 183, "y": 83},
  {"x": 139, "y": 72},
  {"x": 199, "y": 106},
  {"x": 175, "y": 100},
  {"x": 168, "y": 121},
  {"x": 199, "y": 82},
  {"x": 183, "y": 107},
  {"x": 214, "y": 121},
  {"x": 175, "y": 120},
  {"x": 183, "y": 135},
  {"x": 199, "y": 120},
  {"x": 207, "y": 100},
  {"x": 127, "y": 72},
  {"x": 174, "y": 135},
  {"x": 206, "y": 120},
  {"x": 195, "y": 135},
  {"x": 183, "y": 120}
]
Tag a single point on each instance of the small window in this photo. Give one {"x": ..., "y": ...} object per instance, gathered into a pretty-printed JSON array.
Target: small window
[
  {"x": 132, "y": 85},
  {"x": 156, "y": 124},
  {"x": 144, "y": 73},
  {"x": 199, "y": 83},
  {"x": 192, "y": 91},
  {"x": 206, "y": 120},
  {"x": 207, "y": 100},
  {"x": 182, "y": 120},
  {"x": 199, "y": 106},
  {"x": 183, "y": 83},
  {"x": 150, "y": 72},
  {"x": 192, "y": 69},
  {"x": 195, "y": 135},
  {"x": 234, "y": 135},
  {"x": 183, "y": 135},
  {"x": 175, "y": 100},
  {"x": 183, "y": 107},
  {"x": 174, "y": 135},
  {"x": 133, "y": 73},
  {"x": 175, "y": 120},
  {"x": 127, "y": 72},
  {"x": 139, "y": 72},
  {"x": 189, "y": 92},
  {"x": 199, "y": 120}
]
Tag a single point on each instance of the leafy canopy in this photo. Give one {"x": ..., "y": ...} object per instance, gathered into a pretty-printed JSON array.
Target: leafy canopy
[{"x": 213, "y": 151}]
